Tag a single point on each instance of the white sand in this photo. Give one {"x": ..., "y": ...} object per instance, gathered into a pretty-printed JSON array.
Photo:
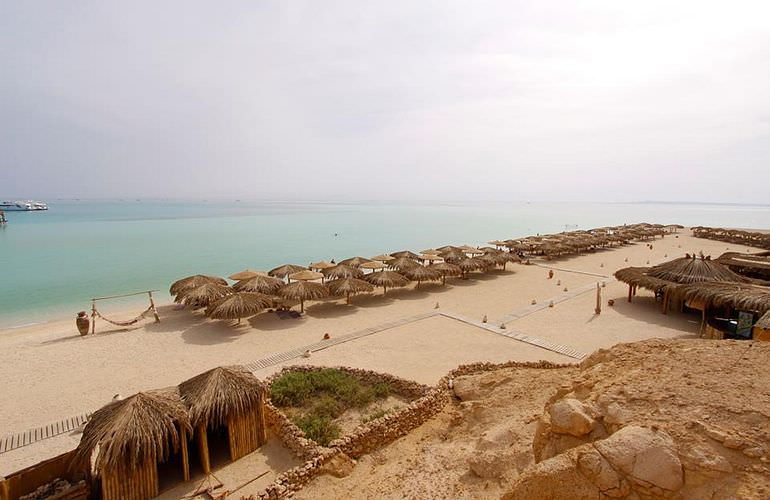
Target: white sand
[{"x": 49, "y": 372}]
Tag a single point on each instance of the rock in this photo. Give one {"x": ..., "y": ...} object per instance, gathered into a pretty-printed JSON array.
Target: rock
[
  {"x": 601, "y": 474},
  {"x": 754, "y": 451},
  {"x": 340, "y": 465},
  {"x": 570, "y": 416},
  {"x": 699, "y": 457},
  {"x": 645, "y": 455},
  {"x": 557, "y": 477},
  {"x": 490, "y": 464}
]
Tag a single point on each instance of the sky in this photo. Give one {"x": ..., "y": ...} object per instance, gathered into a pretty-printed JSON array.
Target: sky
[{"x": 400, "y": 100}]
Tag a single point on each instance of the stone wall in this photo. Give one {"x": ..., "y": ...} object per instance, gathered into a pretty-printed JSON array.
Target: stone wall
[{"x": 368, "y": 437}]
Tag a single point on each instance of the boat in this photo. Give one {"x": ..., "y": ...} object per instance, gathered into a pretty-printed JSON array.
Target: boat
[{"x": 23, "y": 206}]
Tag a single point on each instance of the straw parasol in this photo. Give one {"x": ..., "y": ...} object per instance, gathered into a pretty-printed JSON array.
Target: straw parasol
[
  {"x": 692, "y": 269},
  {"x": 238, "y": 305},
  {"x": 194, "y": 282},
  {"x": 386, "y": 279},
  {"x": 373, "y": 265},
  {"x": 348, "y": 287},
  {"x": 342, "y": 271},
  {"x": 422, "y": 273},
  {"x": 430, "y": 251},
  {"x": 467, "y": 265},
  {"x": 404, "y": 253},
  {"x": 219, "y": 392},
  {"x": 302, "y": 291},
  {"x": 446, "y": 269},
  {"x": 260, "y": 284},
  {"x": 402, "y": 263},
  {"x": 430, "y": 257},
  {"x": 203, "y": 295},
  {"x": 134, "y": 430},
  {"x": 321, "y": 265},
  {"x": 246, "y": 274},
  {"x": 383, "y": 258},
  {"x": 306, "y": 275},
  {"x": 471, "y": 250},
  {"x": 453, "y": 255},
  {"x": 355, "y": 261},
  {"x": 740, "y": 296},
  {"x": 285, "y": 270},
  {"x": 446, "y": 248}
]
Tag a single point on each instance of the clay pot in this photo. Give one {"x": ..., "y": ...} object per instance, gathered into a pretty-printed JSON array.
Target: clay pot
[{"x": 83, "y": 323}]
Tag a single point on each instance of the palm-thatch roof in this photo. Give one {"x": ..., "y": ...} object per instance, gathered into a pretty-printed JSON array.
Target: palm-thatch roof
[
  {"x": 355, "y": 261},
  {"x": 430, "y": 257},
  {"x": 219, "y": 392},
  {"x": 238, "y": 305},
  {"x": 446, "y": 269},
  {"x": 404, "y": 253},
  {"x": 131, "y": 431},
  {"x": 349, "y": 286},
  {"x": 402, "y": 263},
  {"x": 740, "y": 296},
  {"x": 446, "y": 248},
  {"x": 342, "y": 271},
  {"x": 685, "y": 270},
  {"x": 285, "y": 270},
  {"x": 203, "y": 295},
  {"x": 472, "y": 264},
  {"x": 387, "y": 279},
  {"x": 194, "y": 282},
  {"x": 321, "y": 265},
  {"x": 764, "y": 321},
  {"x": 304, "y": 290},
  {"x": 383, "y": 258},
  {"x": 372, "y": 265},
  {"x": 246, "y": 274},
  {"x": 422, "y": 273},
  {"x": 430, "y": 251},
  {"x": 453, "y": 255},
  {"x": 637, "y": 276},
  {"x": 306, "y": 275},
  {"x": 261, "y": 284}
]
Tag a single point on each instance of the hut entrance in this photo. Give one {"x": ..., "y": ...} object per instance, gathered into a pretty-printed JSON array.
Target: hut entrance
[
  {"x": 176, "y": 468},
  {"x": 219, "y": 446}
]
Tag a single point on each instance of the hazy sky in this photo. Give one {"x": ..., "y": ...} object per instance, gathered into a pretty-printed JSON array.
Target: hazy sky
[{"x": 536, "y": 100}]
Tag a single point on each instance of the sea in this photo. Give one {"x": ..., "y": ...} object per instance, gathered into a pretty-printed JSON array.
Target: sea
[{"x": 52, "y": 263}]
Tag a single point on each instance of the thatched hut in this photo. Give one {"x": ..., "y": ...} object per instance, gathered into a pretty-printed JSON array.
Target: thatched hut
[
  {"x": 693, "y": 269},
  {"x": 140, "y": 440},
  {"x": 227, "y": 410},
  {"x": 348, "y": 287},
  {"x": 761, "y": 329},
  {"x": 302, "y": 291},
  {"x": 386, "y": 279},
  {"x": 194, "y": 281}
]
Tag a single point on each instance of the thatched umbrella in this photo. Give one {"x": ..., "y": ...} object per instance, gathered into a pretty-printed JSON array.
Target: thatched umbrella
[
  {"x": 203, "y": 295},
  {"x": 215, "y": 394},
  {"x": 302, "y": 291},
  {"x": 383, "y": 258},
  {"x": 355, "y": 261},
  {"x": 740, "y": 296},
  {"x": 692, "y": 269},
  {"x": 422, "y": 273},
  {"x": 285, "y": 270},
  {"x": 194, "y": 282},
  {"x": 306, "y": 275},
  {"x": 472, "y": 264},
  {"x": 386, "y": 279},
  {"x": 130, "y": 432},
  {"x": 430, "y": 257},
  {"x": 446, "y": 248},
  {"x": 260, "y": 284},
  {"x": 446, "y": 269},
  {"x": 342, "y": 271},
  {"x": 404, "y": 253},
  {"x": 453, "y": 255},
  {"x": 348, "y": 287},
  {"x": 374, "y": 266},
  {"x": 402, "y": 263},
  {"x": 246, "y": 274},
  {"x": 320, "y": 266},
  {"x": 238, "y": 305},
  {"x": 430, "y": 251}
]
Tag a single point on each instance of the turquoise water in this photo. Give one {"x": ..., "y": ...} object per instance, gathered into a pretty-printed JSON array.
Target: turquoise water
[{"x": 52, "y": 263}]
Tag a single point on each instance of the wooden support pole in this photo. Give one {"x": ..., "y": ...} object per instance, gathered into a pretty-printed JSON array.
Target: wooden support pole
[
  {"x": 629, "y": 292},
  {"x": 598, "y": 309},
  {"x": 203, "y": 447},
  {"x": 185, "y": 456},
  {"x": 154, "y": 310},
  {"x": 93, "y": 317}
]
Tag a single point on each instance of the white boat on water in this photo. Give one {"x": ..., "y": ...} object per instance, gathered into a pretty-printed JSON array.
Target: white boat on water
[{"x": 23, "y": 206}]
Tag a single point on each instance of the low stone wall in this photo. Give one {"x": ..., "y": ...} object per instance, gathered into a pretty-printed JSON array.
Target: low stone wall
[{"x": 372, "y": 435}]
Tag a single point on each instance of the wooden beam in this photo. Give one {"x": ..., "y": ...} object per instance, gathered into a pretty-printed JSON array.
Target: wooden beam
[
  {"x": 185, "y": 456},
  {"x": 203, "y": 447}
]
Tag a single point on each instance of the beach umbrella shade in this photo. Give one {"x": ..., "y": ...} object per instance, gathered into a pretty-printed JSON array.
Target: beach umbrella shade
[
  {"x": 446, "y": 248},
  {"x": 194, "y": 282},
  {"x": 355, "y": 261},
  {"x": 404, "y": 253},
  {"x": 349, "y": 286},
  {"x": 490, "y": 260},
  {"x": 246, "y": 274},
  {"x": 373, "y": 265},
  {"x": 422, "y": 273},
  {"x": 302, "y": 291},
  {"x": 430, "y": 251},
  {"x": 203, "y": 295},
  {"x": 306, "y": 275},
  {"x": 285, "y": 270},
  {"x": 468, "y": 265},
  {"x": 471, "y": 250},
  {"x": 238, "y": 305},
  {"x": 446, "y": 269},
  {"x": 342, "y": 271},
  {"x": 261, "y": 284},
  {"x": 453, "y": 255},
  {"x": 320, "y": 266},
  {"x": 387, "y": 279},
  {"x": 402, "y": 263},
  {"x": 430, "y": 257},
  {"x": 383, "y": 258}
]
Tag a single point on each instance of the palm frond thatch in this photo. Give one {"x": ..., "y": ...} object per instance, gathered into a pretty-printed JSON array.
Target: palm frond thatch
[
  {"x": 740, "y": 296},
  {"x": 355, "y": 261},
  {"x": 260, "y": 284},
  {"x": 470, "y": 264},
  {"x": 387, "y": 279},
  {"x": 304, "y": 290},
  {"x": 402, "y": 263},
  {"x": 203, "y": 295},
  {"x": 129, "y": 432},
  {"x": 446, "y": 269},
  {"x": 685, "y": 270},
  {"x": 321, "y": 265},
  {"x": 342, "y": 271},
  {"x": 404, "y": 253},
  {"x": 306, "y": 275},
  {"x": 383, "y": 258},
  {"x": 349, "y": 286},
  {"x": 219, "y": 392},
  {"x": 246, "y": 274},
  {"x": 285, "y": 270},
  {"x": 238, "y": 305},
  {"x": 453, "y": 255},
  {"x": 194, "y": 282},
  {"x": 422, "y": 273}
]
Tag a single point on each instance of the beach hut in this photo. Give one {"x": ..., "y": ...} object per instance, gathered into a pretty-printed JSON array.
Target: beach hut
[
  {"x": 761, "y": 329},
  {"x": 227, "y": 412},
  {"x": 404, "y": 254},
  {"x": 141, "y": 442}
]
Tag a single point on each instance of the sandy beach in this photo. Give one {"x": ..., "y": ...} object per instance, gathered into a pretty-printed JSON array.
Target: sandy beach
[{"x": 51, "y": 373}]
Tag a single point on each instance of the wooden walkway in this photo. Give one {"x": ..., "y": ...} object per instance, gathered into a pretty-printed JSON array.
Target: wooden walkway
[{"x": 18, "y": 440}]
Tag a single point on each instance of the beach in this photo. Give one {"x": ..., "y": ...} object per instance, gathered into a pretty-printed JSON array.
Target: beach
[{"x": 51, "y": 373}]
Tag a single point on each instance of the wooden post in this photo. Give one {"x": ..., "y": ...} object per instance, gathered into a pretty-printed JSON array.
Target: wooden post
[
  {"x": 154, "y": 311},
  {"x": 93, "y": 316},
  {"x": 629, "y": 292},
  {"x": 598, "y": 309},
  {"x": 665, "y": 302},
  {"x": 185, "y": 457},
  {"x": 203, "y": 447}
]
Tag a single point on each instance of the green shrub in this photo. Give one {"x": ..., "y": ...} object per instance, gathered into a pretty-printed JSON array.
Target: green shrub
[
  {"x": 381, "y": 390},
  {"x": 327, "y": 406},
  {"x": 291, "y": 389},
  {"x": 318, "y": 428},
  {"x": 374, "y": 415}
]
